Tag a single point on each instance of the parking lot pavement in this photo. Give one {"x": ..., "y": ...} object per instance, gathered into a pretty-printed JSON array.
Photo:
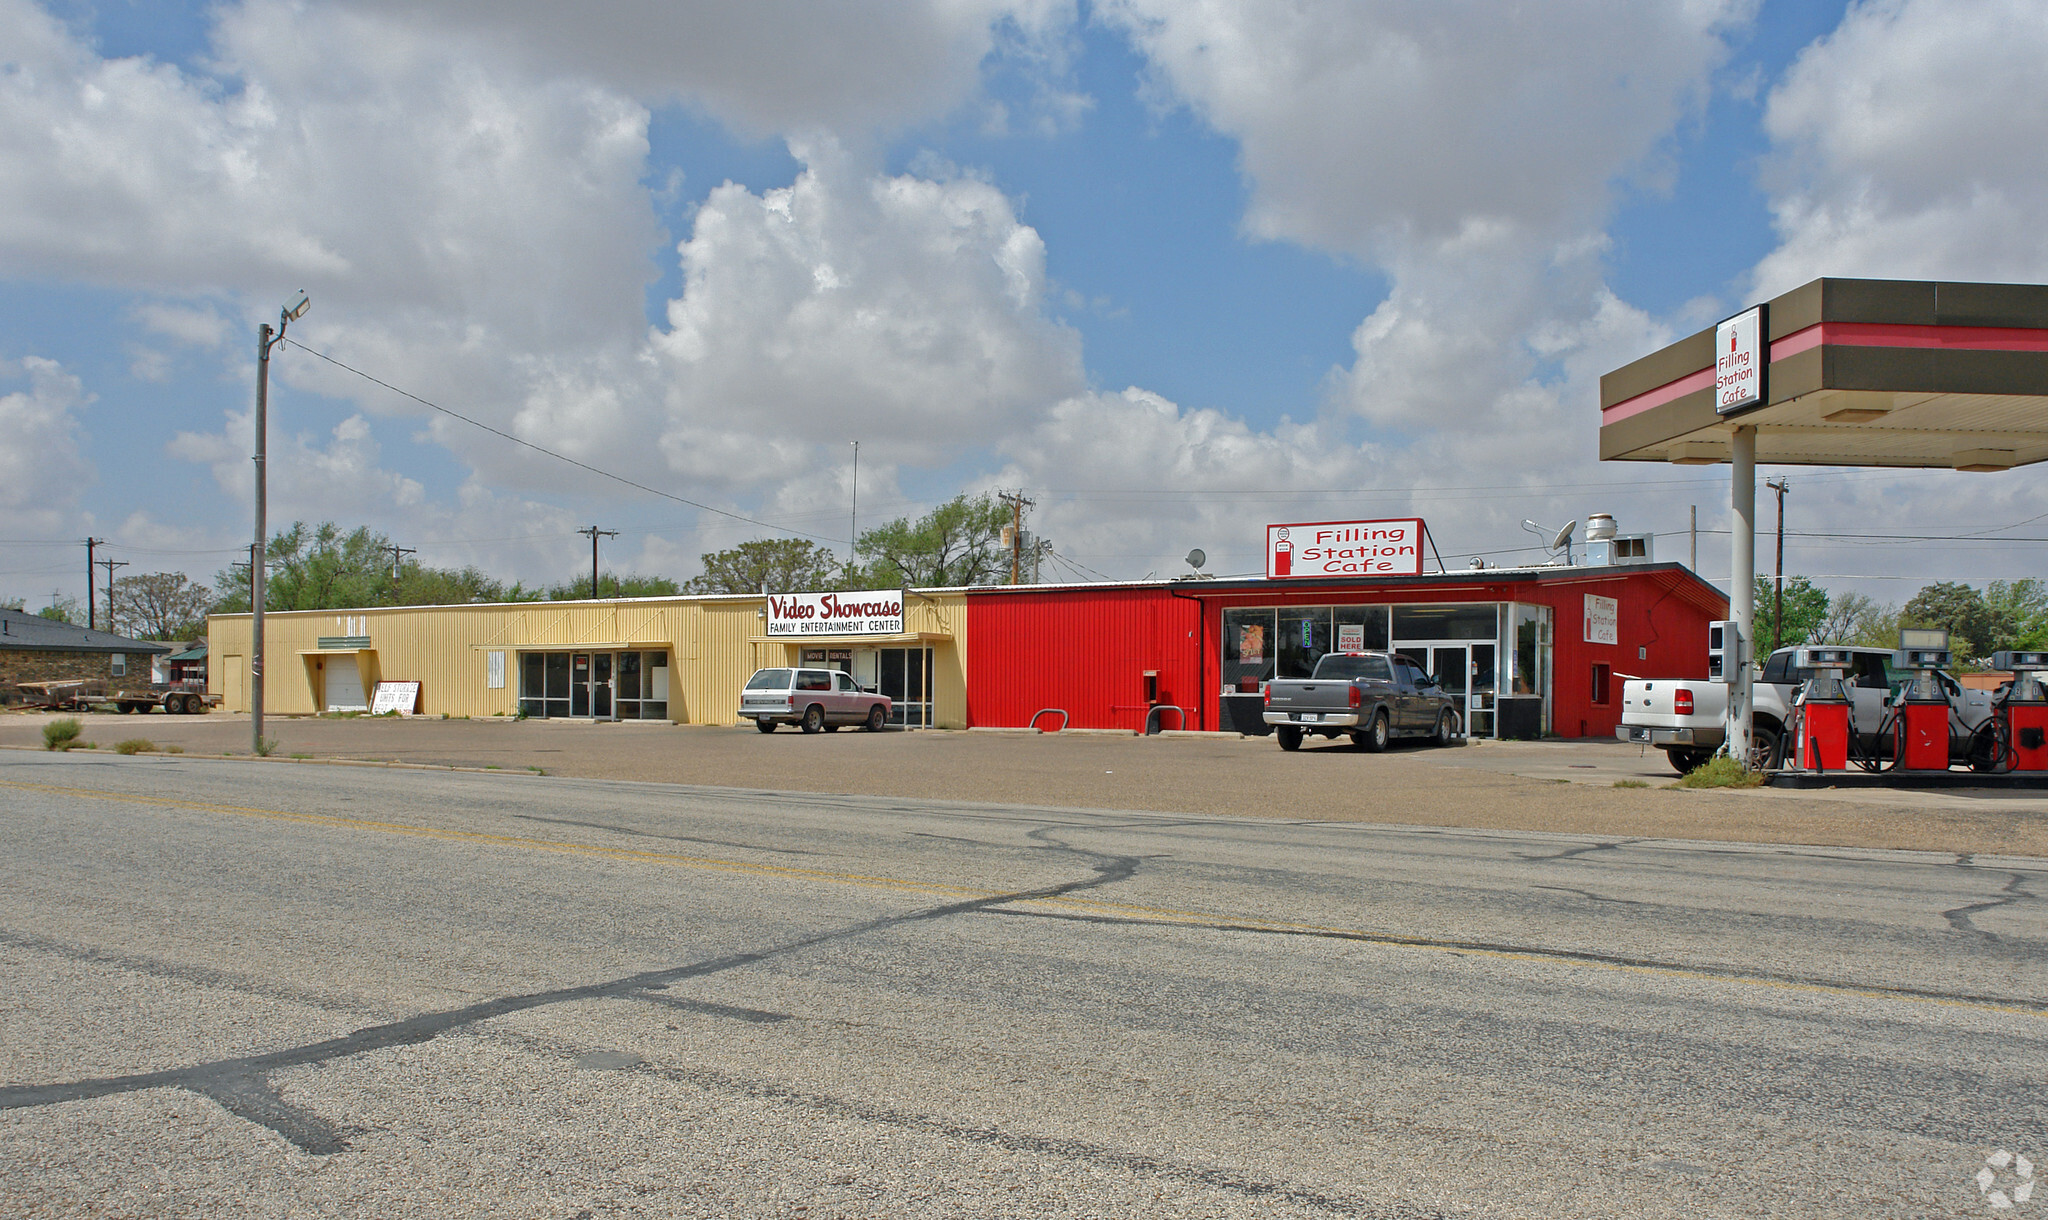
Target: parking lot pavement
[{"x": 1567, "y": 786}]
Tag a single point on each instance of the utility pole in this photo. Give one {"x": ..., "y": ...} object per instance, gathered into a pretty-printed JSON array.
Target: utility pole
[
  {"x": 265, "y": 340},
  {"x": 853, "y": 521},
  {"x": 1694, "y": 561},
  {"x": 110, "y": 565},
  {"x": 91, "y": 619},
  {"x": 595, "y": 533},
  {"x": 398, "y": 553},
  {"x": 1781, "y": 486},
  {"x": 1017, "y": 504}
]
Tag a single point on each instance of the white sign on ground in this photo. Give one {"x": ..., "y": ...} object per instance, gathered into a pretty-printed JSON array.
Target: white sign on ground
[
  {"x": 867, "y": 612},
  {"x": 1739, "y": 362},
  {"x": 1344, "y": 548},
  {"x": 400, "y": 697}
]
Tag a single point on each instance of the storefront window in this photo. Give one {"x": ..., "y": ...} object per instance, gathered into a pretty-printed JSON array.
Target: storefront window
[
  {"x": 1480, "y": 622},
  {"x": 1247, "y": 649},
  {"x": 1361, "y": 628},
  {"x": 1304, "y": 638}
]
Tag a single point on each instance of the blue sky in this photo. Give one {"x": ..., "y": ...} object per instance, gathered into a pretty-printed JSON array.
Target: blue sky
[{"x": 1174, "y": 272}]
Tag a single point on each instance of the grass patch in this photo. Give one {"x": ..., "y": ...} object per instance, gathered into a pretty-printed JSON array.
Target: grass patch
[
  {"x": 536, "y": 770},
  {"x": 1630, "y": 783},
  {"x": 61, "y": 734},
  {"x": 302, "y": 756},
  {"x": 135, "y": 745},
  {"x": 174, "y": 749},
  {"x": 266, "y": 746},
  {"x": 1721, "y": 771}
]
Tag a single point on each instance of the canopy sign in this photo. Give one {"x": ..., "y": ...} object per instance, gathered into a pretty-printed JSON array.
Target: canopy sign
[
  {"x": 868, "y": 612},
  {"x": 1740, "y": 362},
  {"x": 1344, "y": 548}
]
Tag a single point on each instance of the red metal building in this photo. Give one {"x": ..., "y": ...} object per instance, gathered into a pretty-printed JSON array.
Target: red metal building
[{"x": 1533, "y": 650}]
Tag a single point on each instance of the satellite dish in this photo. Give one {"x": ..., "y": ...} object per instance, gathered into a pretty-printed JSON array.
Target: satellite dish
[
  {"x": 1196, "y": 558},
  {"x": 1563, "y": 541}
]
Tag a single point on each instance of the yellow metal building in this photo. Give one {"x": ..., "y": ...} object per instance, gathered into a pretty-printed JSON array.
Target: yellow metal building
[{"x": 680, "y": 659}]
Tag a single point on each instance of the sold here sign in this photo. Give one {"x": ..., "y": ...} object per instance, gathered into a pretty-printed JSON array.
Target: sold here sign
[{"x": 1344, "y": 548}]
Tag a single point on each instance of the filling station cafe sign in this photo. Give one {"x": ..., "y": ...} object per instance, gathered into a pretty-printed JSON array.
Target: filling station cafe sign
[
  {"x": 868, "y": 612},
  {"x": 1344, "y": 548}
]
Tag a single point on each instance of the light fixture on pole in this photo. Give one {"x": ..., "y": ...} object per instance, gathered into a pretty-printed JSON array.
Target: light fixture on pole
[{"x": 265, "y": 340}]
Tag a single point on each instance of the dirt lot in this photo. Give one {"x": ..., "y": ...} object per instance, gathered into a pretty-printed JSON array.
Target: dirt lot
[{"x": 1557, "y": 786}]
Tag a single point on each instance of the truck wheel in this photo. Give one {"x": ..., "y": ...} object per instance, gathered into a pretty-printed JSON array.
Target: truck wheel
[
  {"x": 876, "y": 719},
  {"x": 1766, "y": 748},
  {"x": 1374, "y": 739},
  {"x": 195, "y": 705},
  {"x": 173, "y": 704},
  {"x": 1290, "y": 737},
  {"x": 765, "y": 725},
  {"x": 1446, "y": 731},
  {"x": 814, "y": 719},
  {"x": 1686, "y": 761}
]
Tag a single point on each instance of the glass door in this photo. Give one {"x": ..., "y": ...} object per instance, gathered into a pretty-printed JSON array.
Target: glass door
[
  {"x": 579, "y": 684},
  {"x": 1479, "y": 700},
  {"x": 601, "y": 686},
  {"x": 1451, "y": 666}
]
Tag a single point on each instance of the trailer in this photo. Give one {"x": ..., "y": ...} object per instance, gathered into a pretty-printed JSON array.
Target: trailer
[
  {"x": 176, "y": 698},
  {"x": 62, "y": 695}
]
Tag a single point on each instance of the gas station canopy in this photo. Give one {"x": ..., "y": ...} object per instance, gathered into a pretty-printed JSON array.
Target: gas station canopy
[{"x": 1860, "y": 373}]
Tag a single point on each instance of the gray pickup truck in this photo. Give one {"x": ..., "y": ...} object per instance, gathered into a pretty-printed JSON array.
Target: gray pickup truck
[{"x": 1373, "y": 696}]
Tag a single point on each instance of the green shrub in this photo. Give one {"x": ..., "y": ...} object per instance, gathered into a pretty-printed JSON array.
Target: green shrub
[
  {"x": 265, "y": 746},
  {"x": 60, "y": 734},
  {"x": 1721, "y": 771},
  {"x": 1630, "y": 783},
  {"x": 174, "y": 749},
  {"x": 135, "y": 745}
]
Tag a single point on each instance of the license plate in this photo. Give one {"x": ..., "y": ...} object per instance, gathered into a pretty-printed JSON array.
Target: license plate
[{"x": 1311, "y": 717}]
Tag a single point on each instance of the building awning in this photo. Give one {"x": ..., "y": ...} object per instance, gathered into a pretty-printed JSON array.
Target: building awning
[
  {"x": 190, "y": 654},
  {"x": 841, "y": 641},
  {"x": 1903, "y": 373},
  {"x": 598, "y": 646}
]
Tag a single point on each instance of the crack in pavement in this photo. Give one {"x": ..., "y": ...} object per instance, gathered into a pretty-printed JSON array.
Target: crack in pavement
[
  {"x": 1959, "y": 917},
  {"x": 1574, "y": 852},
  {"x": 1590, "y": 896},
  {"x": 1136, "y": 1163},
  {"x": 232, "y": 1078},
  {"x": 649, "y": 834},
  {"x": 1461, "y": 948}
]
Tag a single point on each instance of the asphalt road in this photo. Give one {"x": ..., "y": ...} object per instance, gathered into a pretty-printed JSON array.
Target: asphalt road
[{"x": 238, "y": 989}]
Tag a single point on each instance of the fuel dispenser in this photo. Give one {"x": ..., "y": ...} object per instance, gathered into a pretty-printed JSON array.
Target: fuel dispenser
[
  {"x": 1827, "y": 719},
  {"x": 2023, "y": 709},
  {"x": 1922, "y": 704}
]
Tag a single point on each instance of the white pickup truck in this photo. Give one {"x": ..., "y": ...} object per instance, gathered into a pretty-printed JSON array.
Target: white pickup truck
[{"x": 1684, "y": 718}]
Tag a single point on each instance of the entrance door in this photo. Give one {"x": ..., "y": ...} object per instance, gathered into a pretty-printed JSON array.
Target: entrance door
[
  {"x": 601, "y": 686},
  {"x": 579, "y": 684},
  {"x": 1450, "y": 665},
  {"x": 1479, "y": 701}
]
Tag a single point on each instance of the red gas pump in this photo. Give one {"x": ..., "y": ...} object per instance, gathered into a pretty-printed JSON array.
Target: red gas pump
[
  {"x": 1826, "y": 718},
  {"x": 2023, "y": 709},
  {"x": 1923, "y": 703}
]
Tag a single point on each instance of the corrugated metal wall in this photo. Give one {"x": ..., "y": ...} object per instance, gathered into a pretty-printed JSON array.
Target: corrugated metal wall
[
  {"x": 714, "y": 644},
  {"x": 1085, "y": 652}
]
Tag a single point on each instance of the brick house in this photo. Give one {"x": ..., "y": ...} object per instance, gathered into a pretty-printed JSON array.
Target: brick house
[{"x": 37, "y": 649}]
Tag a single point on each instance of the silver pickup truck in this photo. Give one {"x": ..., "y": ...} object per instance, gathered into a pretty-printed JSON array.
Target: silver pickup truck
[{"x": 1373, "y": 696}]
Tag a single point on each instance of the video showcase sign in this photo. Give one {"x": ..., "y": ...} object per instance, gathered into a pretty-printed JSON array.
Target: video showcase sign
[
  {"x": 1344, "y": 548},
  {"x": 869, "y": 612}
]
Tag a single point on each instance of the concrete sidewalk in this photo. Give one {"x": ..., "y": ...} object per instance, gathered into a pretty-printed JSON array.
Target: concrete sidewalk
[{"x": 1567, "y": 786}]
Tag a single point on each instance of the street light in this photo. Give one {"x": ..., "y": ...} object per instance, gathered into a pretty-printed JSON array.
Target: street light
[{"x": 265, "y": 340}]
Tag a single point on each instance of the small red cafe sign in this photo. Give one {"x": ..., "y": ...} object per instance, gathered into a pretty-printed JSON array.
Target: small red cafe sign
[{"x": 1344, "y": 548}]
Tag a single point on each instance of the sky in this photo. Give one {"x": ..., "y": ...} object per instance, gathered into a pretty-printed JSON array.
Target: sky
[{"x": 1172, "y": 269}]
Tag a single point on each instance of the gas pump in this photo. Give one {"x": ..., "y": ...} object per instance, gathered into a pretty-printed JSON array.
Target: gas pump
[
  {"x": 1826, "y": 720},
  {"x": 2023, "y": 709},
  {"x": 1922, "y": 703}
]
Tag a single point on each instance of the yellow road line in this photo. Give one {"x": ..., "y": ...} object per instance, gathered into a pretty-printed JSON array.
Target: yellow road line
[{"x": 1165, "y": 916}]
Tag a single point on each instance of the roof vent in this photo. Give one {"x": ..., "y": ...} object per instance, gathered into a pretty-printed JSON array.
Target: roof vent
[{"x": 1599, "y": 526}]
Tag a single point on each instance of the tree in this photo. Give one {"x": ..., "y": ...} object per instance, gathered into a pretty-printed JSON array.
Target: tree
[
  {"x": 1806, "y": 609},
  {"x": 1958, "y": 608},
  {"x": 783, "y": 565},
  {"x": 160, "y": 606},
  {"x": 63, "y": 610},
  {"x": 611, "y": 584},
  {"x": 2019, "y": 613},
  {"x": 957, "y": 543},
  {"x": 314, "y": 568},
  {"x": 1848, "y": 614}
]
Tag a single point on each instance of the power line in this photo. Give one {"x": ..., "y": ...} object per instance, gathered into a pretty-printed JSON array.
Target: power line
[{"x": 560, "y": 457}]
